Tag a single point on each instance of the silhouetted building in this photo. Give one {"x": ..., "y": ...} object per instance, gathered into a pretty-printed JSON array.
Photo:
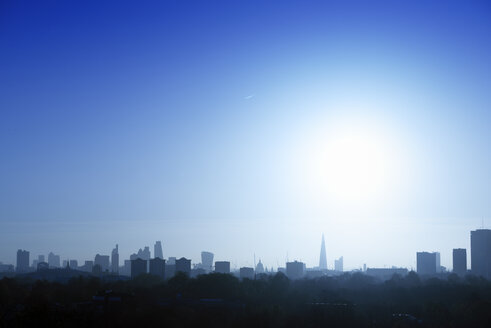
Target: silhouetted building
[
  {"x": 88, "y": 266},
  {"x": 138, "y": 267},
  {"x": 102, "y": 261},
  {"x": 481, "y": 252},
  {"x": 53, "y": 260},
  {"x": 115, "y": 260},
  {"x": 438, "y": 265},
  {"x": 35, "y": 263},
  {"x": 41, "y": 266},
  {"x": 259, "y": 267},
  {"x": 323, "y": 256},
  {"x": 73, "y": 264},
  {"x": 157, "y": 250},
  {"x": 157, "y": 267},
  {"x": 170, "y": 270},
  {"x": 295, "y": 270},
  {"x": 39, "y": 260},
  {"x": 197, "y": 272},
  {"x": 97, "y": 270},
  {"x": 6, "y": 267},
  {"x": 246, "y": 273},
  {"x": 385, "y": 273},
  {"x": 183, "y": 265},
  {"x": 426, "y": 263},
  {"x": 222, "y": 267},
  {"x": 126, "y": 269},
  {"x": 459, "y": 261},
  {"x": 145, "y": 253},
  {"x": 338, "y": 264},
  {"x": 206, "y": 261},
  {"x": 22, "y": 261}
]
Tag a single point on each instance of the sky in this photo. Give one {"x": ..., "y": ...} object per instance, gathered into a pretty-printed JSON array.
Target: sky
[{"x": 245, "y": 128}]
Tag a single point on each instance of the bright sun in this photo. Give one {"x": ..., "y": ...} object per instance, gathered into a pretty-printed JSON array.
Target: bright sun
[
  {"x": 349, "y": 166},
  {"x": 354, "y": 167}
]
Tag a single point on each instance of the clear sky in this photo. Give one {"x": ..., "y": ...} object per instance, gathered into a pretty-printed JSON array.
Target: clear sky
[{"x": 245, "y": 127}]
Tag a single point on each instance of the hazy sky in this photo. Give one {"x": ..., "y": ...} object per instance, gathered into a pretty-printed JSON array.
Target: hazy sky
[{"x": 244, "y": 127}]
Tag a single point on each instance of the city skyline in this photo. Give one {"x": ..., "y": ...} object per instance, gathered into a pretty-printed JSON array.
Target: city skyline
[
  {"x": 245, "y": 128},
  {"x": 480, "y": 241}
]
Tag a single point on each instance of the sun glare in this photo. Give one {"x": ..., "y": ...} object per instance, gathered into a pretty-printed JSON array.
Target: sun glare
[{"x": 351, "y": 166}]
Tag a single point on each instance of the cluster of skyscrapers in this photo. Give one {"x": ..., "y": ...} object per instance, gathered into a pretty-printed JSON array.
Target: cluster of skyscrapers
[
  {"x": 429, "y": 263},
  {"x": 141, "y": 262}
]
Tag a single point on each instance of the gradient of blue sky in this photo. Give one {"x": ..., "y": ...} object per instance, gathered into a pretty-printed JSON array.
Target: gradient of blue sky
[{"x": 183, "y": 121}]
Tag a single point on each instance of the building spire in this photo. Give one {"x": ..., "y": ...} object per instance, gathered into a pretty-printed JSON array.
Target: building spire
[{"x": 323, "y": 256}]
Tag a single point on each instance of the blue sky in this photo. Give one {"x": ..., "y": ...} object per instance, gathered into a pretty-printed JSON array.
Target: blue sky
[{"x": 201, "y": 123}]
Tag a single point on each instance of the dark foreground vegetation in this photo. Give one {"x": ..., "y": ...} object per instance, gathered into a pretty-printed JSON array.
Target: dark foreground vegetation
[{"x": 217, "y": 300}]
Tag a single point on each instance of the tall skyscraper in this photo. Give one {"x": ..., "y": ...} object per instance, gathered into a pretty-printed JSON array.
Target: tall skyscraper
[
  {"x": 460, "y": 261},
  {"x": 338, "y": 264},
  {"x": 323, "y": 256},
  {"x": 481, "y": 252},
  {"x": 102, "y": 261},
  {"x": 207, "y": 260},
  {"x": 426, "y": 263},
  {"x": 157, "y": 250},
  {"x": 115, "y": 260},
  {"x": 53, "y": 260},
  {"x": 22, "y": 261}
]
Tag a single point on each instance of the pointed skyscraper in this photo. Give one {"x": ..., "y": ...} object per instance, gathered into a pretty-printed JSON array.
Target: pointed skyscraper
[
  {"x": 323, "y": 257},
  {"x": 157, "y": 250}
]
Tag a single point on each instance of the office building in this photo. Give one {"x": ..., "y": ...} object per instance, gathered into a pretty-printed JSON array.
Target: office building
[
  {"x": 6, "y": 267},
  {"x": 481, "y": 253},
  {"x": 338, "y": 265},
  {"x": 459, "y": 257},
  {"x": 157, "y": 267},
  {"x": 138, "y": 267},
  {"x": 183, "y": 265},
  {"x": 206, "y": 261},
  {"x": 426, "y": 263},
  {"x": 115, "y": 260},
  {"x": 157, "y": 250},
  {"x": 222, "y": 267},
  {"x": 42, "y": 266},
  {"x": 73, "y": 264},
  {"x": 88, "y": 266},
  {"x": 22, "y": 261},
  {"x": 53, "y": 260},
  {"x": 126, "y": 269},
  {"x": 246, "y": 273},
  {"x": 102, "y": 261},
  {"x": 295, "y": 270}
]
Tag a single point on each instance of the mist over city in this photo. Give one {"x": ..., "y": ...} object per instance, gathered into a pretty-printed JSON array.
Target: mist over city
[{"x": 245, "y": 163}]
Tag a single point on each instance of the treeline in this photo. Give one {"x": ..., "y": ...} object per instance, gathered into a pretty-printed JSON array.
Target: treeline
[{"x": 219, "y": 300}]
